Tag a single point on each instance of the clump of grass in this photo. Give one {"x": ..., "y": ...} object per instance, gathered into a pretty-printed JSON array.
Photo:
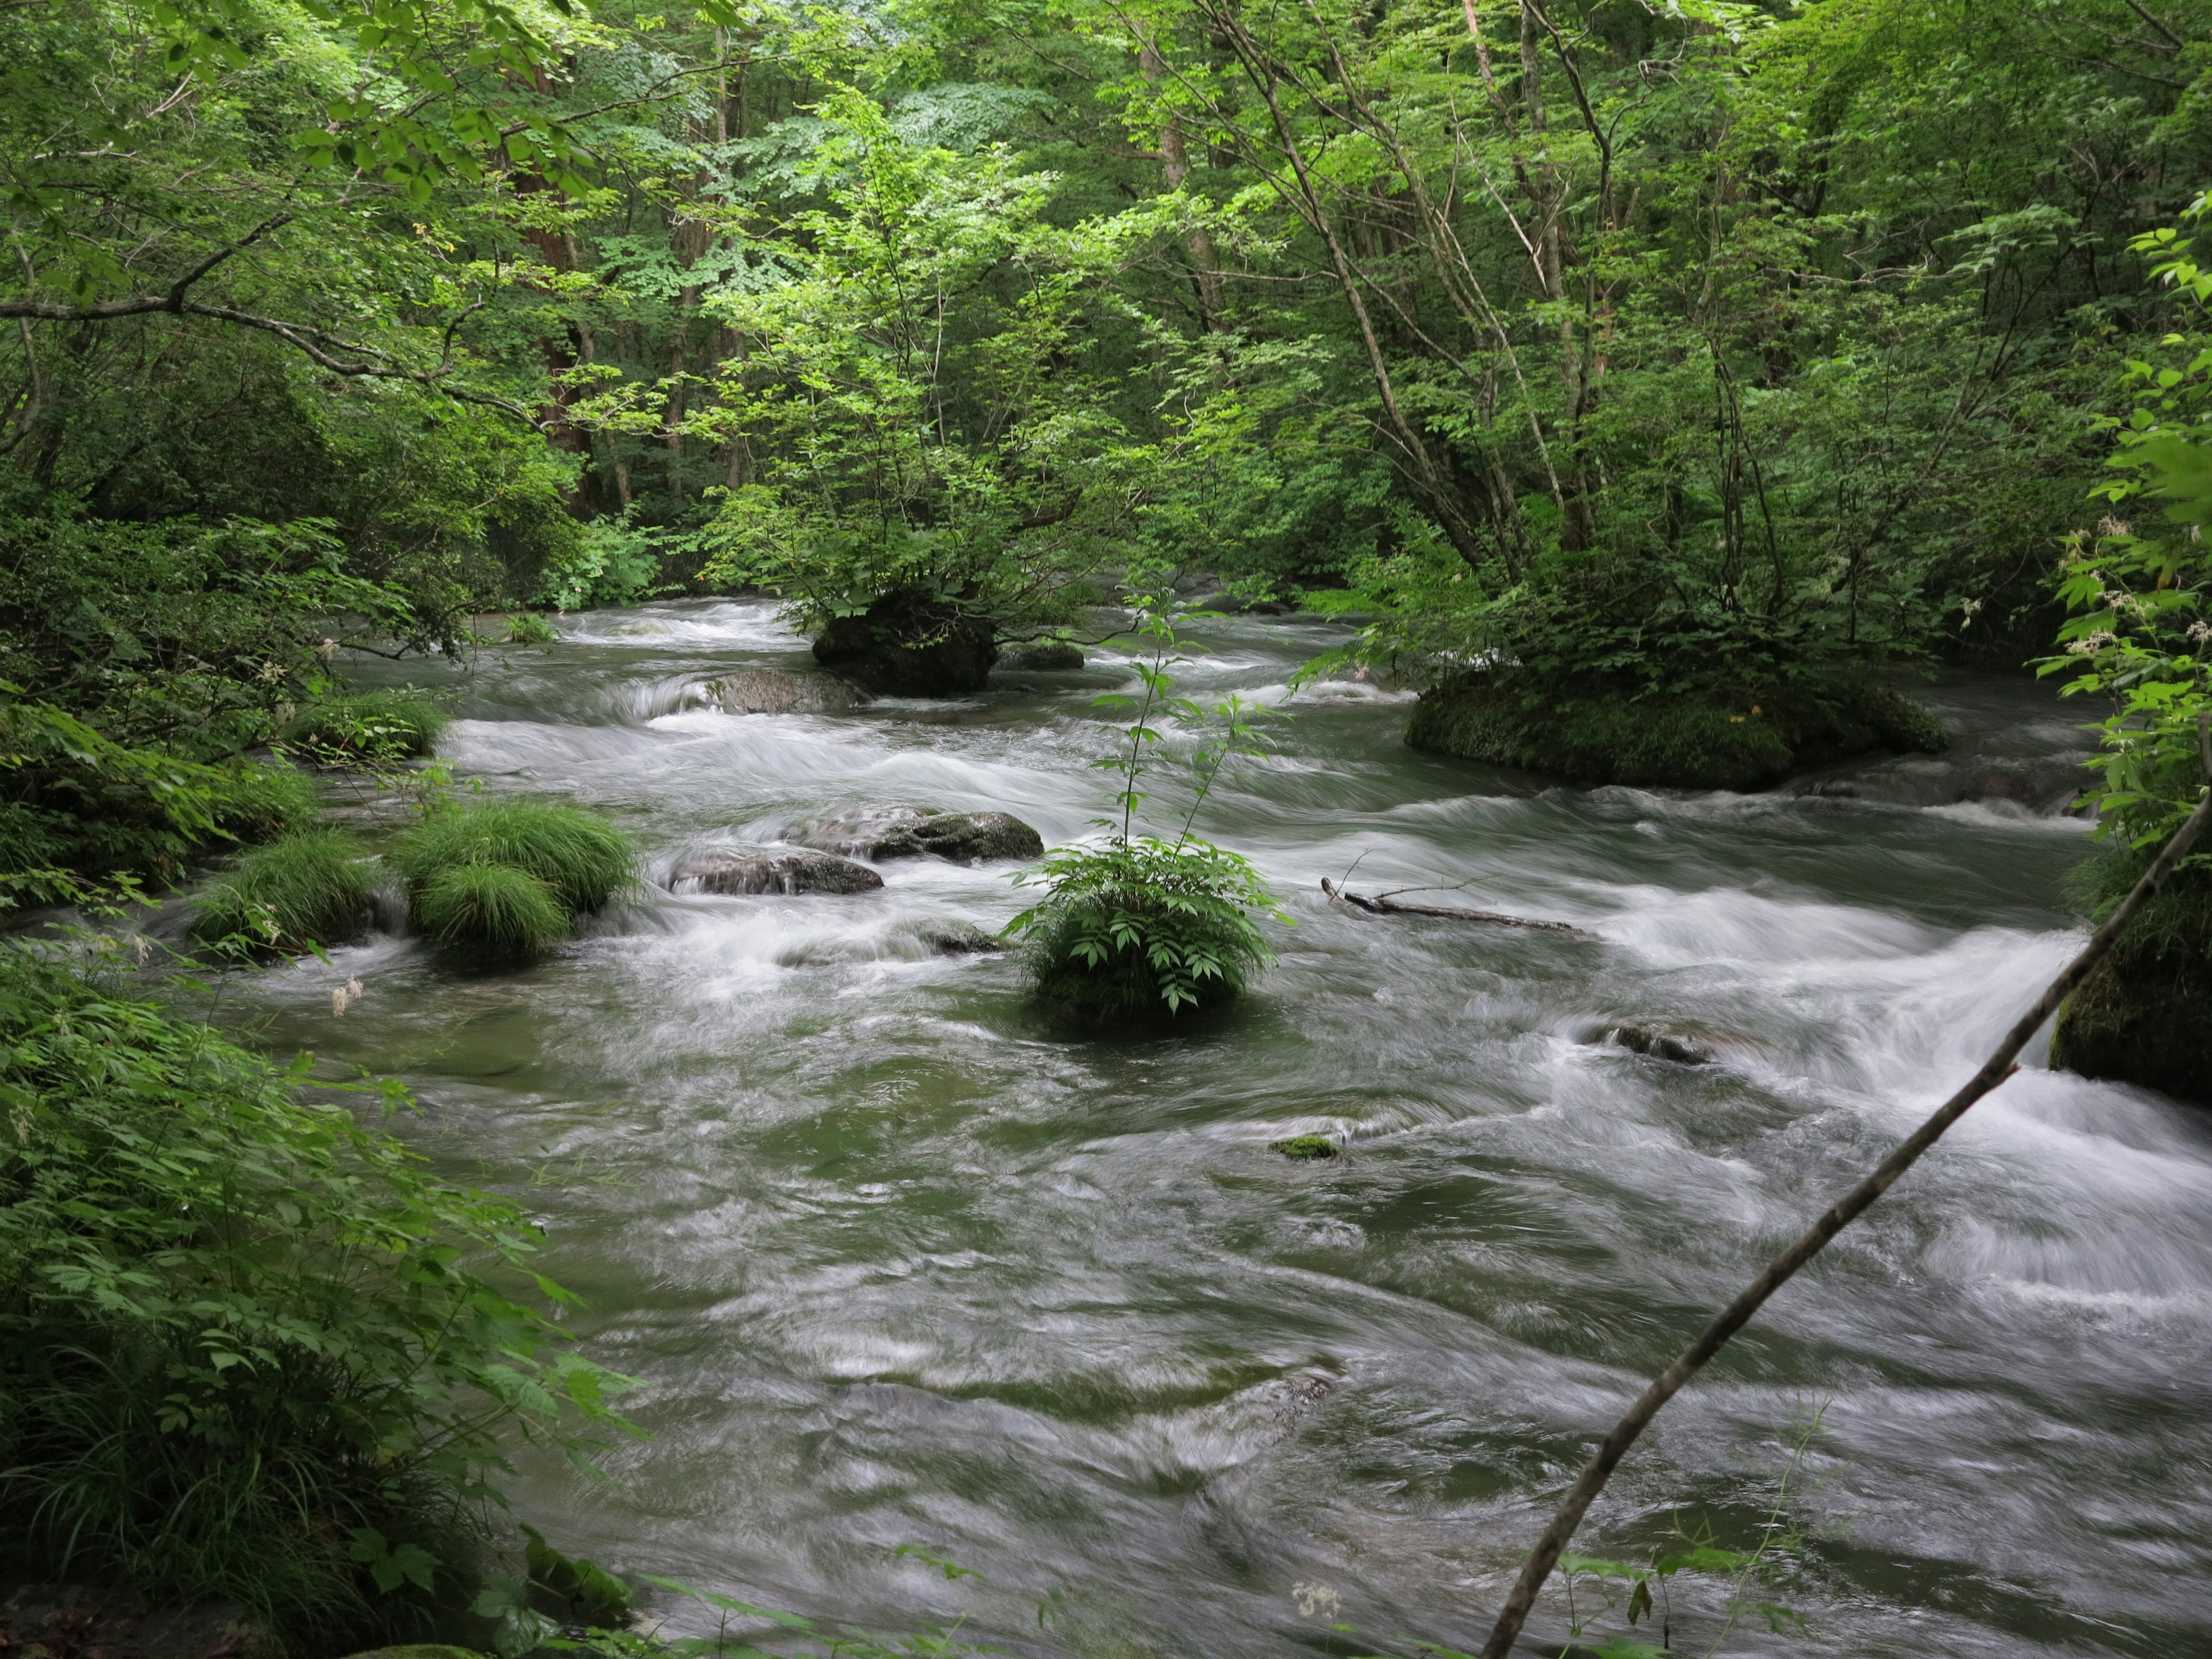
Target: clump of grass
[
  {"x": 307, "y": 889},
  {"x": 494, "y": 906},
  {"x": 258, "y": 803},
  {"x": 527, "y": 628},
  {"x": 374, "y": 726},
  {"x": 582, "y": 857}
]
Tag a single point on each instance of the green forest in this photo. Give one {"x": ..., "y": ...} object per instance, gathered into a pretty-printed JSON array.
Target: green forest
[{"x": 1607, "y": 402}]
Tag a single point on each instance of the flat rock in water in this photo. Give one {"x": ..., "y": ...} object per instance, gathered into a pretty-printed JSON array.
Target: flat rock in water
[
  {"x": 781, "y": 691},
  {"x": 906, "y": 832},
  {"x": 735, "y": 871},
  {"x": 1041, "y": 656}
]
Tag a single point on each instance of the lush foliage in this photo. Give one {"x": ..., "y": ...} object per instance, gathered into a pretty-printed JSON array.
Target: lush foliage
[
  {"x": 2140, "y": 633},
  {"x": 308, "y": 889},
  {"x": 241, "y": 1353}
]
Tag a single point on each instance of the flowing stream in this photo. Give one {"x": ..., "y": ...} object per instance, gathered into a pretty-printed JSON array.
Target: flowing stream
[{"x": 897, "y": 1260}]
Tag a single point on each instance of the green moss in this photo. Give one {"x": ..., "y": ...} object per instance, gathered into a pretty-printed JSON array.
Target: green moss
[
  {"x": 384, "y": 725},
  {"x": 2145, "y": 1015},
  {"x": 493, "y": 906},
  {"x": 580, "y": 858},
  {"x": 1304, "y": 1146},
  {"x": 527, "y": 628},
  {"x": 1594, "y": 732},
  {"x": 305, "y": 890}
]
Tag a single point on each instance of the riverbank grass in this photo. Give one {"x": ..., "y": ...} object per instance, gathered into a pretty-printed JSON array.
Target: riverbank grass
[
  {"x": 494, "y": 906},
  {"x": 510, "y": 875},
  {"x": 307, "y": 889},
  {"x": 369, "y": 726}
]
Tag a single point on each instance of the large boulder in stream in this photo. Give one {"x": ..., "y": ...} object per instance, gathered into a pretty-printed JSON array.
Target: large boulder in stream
[
  {"x": 2145, "y": 1015},
  {"x": 780, "y": 691},
  {"x": 1598, "y": 731},
  {"x": 906, "y": 832},
  {"x": 909, "y": 645},
  {"x": 738, "y": 871}
]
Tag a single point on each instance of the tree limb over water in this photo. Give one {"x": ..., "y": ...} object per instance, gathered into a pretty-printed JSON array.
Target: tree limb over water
[
  {"x": 1383, "y": 905},
  {"x": 2000, "y": 1066}
]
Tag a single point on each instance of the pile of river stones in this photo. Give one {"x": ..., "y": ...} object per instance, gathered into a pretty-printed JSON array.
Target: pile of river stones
[{"x": 821, "y": 854}]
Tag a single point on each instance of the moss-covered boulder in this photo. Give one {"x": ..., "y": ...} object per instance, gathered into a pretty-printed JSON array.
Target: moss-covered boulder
[
  {"x": 1043, "y": 657},
  {"x": 1598, "y": 732},
  {"x": 2145, "y": 1015},
  {"x": 909, "y": 645}
]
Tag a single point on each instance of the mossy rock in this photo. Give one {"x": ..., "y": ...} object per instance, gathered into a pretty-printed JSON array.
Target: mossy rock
[
  {"x": 1304, "y": 1147},
  {"x": 1594, "y": 732},
  {"x": 910, "y": 645},
  {"x": 2145, "y": 1015},
  {"x": 1043, "y": 657}
]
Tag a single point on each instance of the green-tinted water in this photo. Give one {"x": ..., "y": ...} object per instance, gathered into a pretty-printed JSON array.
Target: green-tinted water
[{"x": 896, "y": 1261}]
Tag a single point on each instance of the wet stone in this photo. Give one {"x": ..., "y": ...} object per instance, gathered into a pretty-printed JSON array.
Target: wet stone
[
  {"x": 1660, "y": 1045},
  {"x": 789, "y": 873},
  {"x": 1301, "y": 1147},
  {"x": 781, "y": 691},
  {"x": 957, "y": 939},
  {"x": 905, "y": 832},
  {"x": 1042, "y": 657}
]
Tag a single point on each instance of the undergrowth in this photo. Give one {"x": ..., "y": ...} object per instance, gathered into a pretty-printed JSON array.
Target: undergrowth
[
  {"x": 310, "y": 888},
  {"x": 250, "y": 1349}
]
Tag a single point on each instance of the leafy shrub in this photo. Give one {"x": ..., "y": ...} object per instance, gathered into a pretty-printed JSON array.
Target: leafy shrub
[
  {"x": 495, "y": 906},
  {"x": 1134, "y": 924},
  {"x": 611, "y": 564},
  {"x": 1126, "y": 927},
  {"x": 374, "y": 726},
  {"x": 582, "y": 858},
  {"x": 527, "y": 628},
  {"x": 240, "y": 1355},
  {"x": 305, "y": 890}
]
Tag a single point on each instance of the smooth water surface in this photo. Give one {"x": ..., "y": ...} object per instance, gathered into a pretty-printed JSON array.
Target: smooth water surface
[{"x": 897, "y": 1260}]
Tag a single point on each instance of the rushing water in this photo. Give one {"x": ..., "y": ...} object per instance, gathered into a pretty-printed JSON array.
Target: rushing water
[{"x": 898, "y": 1261}]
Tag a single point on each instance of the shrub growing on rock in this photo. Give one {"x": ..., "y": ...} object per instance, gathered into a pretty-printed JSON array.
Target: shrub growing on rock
[
  {"x": 1135, "y": 927},
  {"x": 307, "y": 889}
]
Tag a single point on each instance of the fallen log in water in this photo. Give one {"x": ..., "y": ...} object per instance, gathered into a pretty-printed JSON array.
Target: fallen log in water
[{"x": 1383, "y": 905}]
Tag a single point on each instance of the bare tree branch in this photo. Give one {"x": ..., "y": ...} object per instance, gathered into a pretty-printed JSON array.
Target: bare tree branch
[{"x": 1847, "y": 1209}]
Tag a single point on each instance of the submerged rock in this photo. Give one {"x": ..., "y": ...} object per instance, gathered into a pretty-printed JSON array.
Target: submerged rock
[
  {"x": 1596, "y": 731},
  {"x": 780, "y": 691},
  {"x": 1660, "y": 1045},
  {"x": 908, "y": 645},
  {"x": 906, "y": 832},
  {"x": 734, "y": 871},
  {"x": 955, "y": 938},
  {"x": 1042, "y": 656}
]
